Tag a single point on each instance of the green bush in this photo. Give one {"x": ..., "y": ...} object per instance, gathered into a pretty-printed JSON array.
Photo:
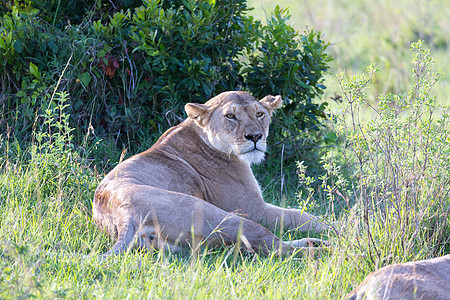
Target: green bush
[
  {"x": 33, "y": 57},
  {"x": 399, "y": 161},
  {"x": 47, "y": 186},
  {"x": 292, "y": 66},
  {"x": 61, "y": 13},
  {"x": 131, "y": 72}
]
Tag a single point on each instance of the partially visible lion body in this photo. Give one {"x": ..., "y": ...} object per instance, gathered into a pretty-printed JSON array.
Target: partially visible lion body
[
  {"x": 421, "y": 280},
  {"x": 195, "y": 183}
]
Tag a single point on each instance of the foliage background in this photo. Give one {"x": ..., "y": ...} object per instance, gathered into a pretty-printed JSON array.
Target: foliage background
[
  {"x": 363, "y": 32},
  {"x": 130, "y": 72}
]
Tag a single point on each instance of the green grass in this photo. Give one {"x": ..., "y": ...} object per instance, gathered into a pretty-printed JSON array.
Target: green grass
[{"x": 139, "y": 275}]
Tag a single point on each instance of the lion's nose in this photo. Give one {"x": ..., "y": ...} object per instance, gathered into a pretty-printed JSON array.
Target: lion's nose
[{"x": 254, "y": 137}]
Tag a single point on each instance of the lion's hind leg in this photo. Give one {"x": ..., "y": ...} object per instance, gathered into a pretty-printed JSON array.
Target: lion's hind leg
[
  {"x": 144, "y": 237},
  {"x": 150, "y": 239},
  {"x": 154, "y": 219},
  {"x": 125, "y": 239}
]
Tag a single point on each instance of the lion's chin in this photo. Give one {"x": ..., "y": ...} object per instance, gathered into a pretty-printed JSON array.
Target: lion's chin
[{"x": 252, "y": 157}]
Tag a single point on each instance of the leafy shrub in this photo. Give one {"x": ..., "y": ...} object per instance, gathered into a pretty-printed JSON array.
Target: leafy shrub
[
  {"x": 292, "y": 66},
  {"x": 47, "y": 187},
  {"x": 61, "y": 13},
  {"x": 33, "y": 56},
  {"x": 170, "y": 56},
  {"x": 399, "y": 161},
  {"x": 131, "y": 73}
]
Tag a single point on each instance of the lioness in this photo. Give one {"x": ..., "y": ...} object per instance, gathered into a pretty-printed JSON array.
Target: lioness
[
  {"x": 423, "y": 279},
  {"x": 195, "y": 183}
]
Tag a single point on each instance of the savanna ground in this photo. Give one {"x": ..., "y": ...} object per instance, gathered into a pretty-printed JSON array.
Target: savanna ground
[{"x": 385, "y": 183}]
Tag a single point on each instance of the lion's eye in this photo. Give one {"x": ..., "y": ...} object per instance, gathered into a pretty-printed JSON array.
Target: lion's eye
[
  {"x": 230, "y": 116},
  {"x": 259, "y": 114}
]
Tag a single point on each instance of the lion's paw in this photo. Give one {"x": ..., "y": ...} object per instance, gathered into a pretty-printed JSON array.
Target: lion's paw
[{"x": 309, "y": 243}]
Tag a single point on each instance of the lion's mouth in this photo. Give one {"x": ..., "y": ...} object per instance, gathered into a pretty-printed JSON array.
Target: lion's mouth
[
  {"x": 252, "y": 156},
  {"x": 252, "y": 150}
]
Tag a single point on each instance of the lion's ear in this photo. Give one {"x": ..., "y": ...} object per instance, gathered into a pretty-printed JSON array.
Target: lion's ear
[
  {"x": 198, "y": 112},
  {"x": 271, "y": 102}
]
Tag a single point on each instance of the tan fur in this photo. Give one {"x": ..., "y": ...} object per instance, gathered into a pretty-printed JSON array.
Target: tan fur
[
  {"x": 195, "y": 184},
  {"x": 425, "y": 279}
]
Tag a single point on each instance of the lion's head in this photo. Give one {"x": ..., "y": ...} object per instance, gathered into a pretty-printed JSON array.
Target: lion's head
[{"x": 236, "y": 123}]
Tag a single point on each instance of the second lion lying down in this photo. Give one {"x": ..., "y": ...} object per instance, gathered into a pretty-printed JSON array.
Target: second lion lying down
[{"x": 195, "y": 183}]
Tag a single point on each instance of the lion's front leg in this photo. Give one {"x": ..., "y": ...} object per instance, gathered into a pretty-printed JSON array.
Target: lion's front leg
[
  {"x": 274, "y": 217},
  {"x": 307, "y": 243}
]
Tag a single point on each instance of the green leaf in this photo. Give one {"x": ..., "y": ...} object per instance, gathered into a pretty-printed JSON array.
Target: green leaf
[
  {"x": 21, "y": 94},
  {"x": 53, "y": 46},
  {"x": 331, "y": 136},
  {"x": 101, "y": 53},
  {"x": 18, "y": 46},
  {"x": 85, "y": 78},
  {"x": 34, "y": 71}
]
